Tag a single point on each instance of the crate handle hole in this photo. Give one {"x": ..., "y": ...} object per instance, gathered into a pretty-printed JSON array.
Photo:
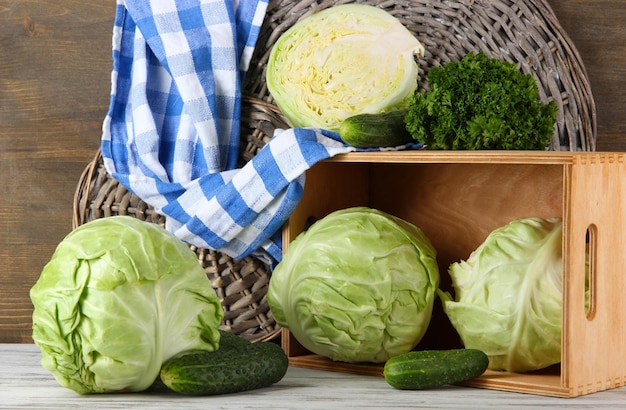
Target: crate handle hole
[{"x": 590, "y": 271}]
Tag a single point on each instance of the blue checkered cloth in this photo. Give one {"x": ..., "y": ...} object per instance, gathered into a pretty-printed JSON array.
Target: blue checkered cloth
[{"x": 171, "y": 134}]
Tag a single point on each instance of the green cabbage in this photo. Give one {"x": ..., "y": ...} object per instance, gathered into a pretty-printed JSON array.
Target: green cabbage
[
  {"x": 357, "y": 286},
  {"x": 117, "y": 299},
  {"x": 342, "y": 61},
  {"x": 508, "y": 296}
]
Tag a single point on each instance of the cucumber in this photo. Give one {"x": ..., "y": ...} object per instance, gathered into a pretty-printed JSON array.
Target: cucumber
[
  {"x": 431, "y": 368},
  {"x": 234, "y": 367},
  {"x": 386, "y": 129},
  {"x": 228, "y": 339}
]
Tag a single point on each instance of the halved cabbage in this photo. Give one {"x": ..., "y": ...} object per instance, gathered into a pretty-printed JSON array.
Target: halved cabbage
[{"x": 342, "y": 61}]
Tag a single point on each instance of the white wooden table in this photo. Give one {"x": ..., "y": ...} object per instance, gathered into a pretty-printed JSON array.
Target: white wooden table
[{"x": 24, "y": 384}]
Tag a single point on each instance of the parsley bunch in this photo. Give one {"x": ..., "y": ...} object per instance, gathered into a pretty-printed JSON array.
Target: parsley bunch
[{"x": 481, "y": 103}]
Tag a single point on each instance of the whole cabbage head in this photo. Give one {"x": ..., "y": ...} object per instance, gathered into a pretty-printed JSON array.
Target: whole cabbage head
[
  {"x": 509, "y": 297},
  {"x": 357, "y": 286},
  {"x": 118, "y": 298},
  {"x": 344, "y": 60}
]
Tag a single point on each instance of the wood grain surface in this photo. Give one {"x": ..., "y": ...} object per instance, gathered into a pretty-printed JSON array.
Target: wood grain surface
[
  {"x": 25, "y": 384},
  {"x": 55, "y": 63}
]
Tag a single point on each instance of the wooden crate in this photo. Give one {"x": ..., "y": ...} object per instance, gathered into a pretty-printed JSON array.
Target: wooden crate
[{"x": 458, "y": 198}]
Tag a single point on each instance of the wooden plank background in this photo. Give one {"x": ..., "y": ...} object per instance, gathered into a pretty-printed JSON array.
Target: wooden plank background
[{"x": 55, "y": 63}]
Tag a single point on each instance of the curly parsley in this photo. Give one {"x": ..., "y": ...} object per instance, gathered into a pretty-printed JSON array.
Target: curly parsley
[{"x": 481, "y": 103}]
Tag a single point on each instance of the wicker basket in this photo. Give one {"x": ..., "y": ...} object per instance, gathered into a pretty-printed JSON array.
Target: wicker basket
[
  {"x": 524, "y": 32},
  {"x": 242, "y": 284}
]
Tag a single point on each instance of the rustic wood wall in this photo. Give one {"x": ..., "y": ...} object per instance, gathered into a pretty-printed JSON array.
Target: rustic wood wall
[
  {"x": 598, "y": 30},
  {"x": 55, "y": 60},
  {"x": 55, "y": 63}
]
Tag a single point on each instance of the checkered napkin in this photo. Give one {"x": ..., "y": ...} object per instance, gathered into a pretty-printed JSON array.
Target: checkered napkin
[{"x": 172, "y": 130}]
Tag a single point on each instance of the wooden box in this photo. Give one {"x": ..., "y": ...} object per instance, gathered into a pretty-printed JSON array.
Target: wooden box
[{"x": 457, "y": 199}]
